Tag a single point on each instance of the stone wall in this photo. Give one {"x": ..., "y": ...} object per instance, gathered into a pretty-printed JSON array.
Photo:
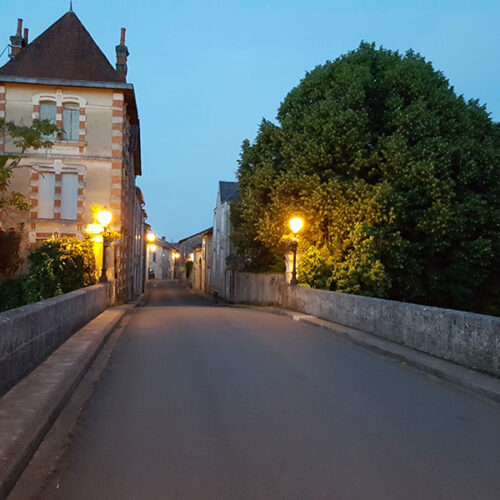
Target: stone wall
[
  {"x": 29, "y": 334},
  {"x": 468, "y": 339}
]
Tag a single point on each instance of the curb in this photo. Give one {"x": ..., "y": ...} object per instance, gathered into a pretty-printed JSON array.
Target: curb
[
  {"x": 29, "y": 409},
  {"x": 480, "y": 383}
]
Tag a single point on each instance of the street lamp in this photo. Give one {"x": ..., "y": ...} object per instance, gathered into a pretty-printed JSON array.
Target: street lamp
[
  {"x": 150, "y": 247},
  {"x": 104, "y": 218},
  {"x": 295, "y": 224}
]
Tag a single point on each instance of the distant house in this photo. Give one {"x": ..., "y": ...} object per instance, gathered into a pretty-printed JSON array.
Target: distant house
[
  {"x": 221, "y": 242},
  {"x": 161, "y": 259},
  {"x": 64, "y": 77},
  {"x": 195, "y": 261}
]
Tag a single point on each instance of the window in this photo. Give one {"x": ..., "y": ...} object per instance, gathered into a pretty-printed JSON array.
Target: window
[
  {"x": 46, "y": 195},
  {"x": 154, "y": 256},
  {"x": 71, "y": 122},
  {"x": 69, "y": 196},
  {"x": 48, "y": 112}
]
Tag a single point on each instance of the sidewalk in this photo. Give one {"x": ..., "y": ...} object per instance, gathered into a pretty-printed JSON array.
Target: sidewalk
[
  {"x": 484, "y": 385},
  {"x": 30, "y": 408}
]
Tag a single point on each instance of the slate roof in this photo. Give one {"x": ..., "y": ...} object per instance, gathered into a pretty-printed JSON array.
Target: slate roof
[
  {"x": 205, "y": 232},
  {"x": 228, "y": 191},
  {"x": 65, "y": 51}
]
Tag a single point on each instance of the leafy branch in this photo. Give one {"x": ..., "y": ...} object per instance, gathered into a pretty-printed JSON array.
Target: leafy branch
[{"x": 24, "y": 138}]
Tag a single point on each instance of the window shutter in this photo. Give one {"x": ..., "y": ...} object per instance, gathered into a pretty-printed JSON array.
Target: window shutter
[
  {"x": 71, "y": 122},
  {"x": 46, "y": 185},
  {"x": 48, "y": 112},
  {"x": 69, "y": 196}
]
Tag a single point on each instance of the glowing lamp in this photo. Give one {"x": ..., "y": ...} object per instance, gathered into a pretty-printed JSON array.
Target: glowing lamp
[
  {"x": 296, "y": 224},
  {"x": 151, "y": 237},
  {"x": 104, "y": 217}
]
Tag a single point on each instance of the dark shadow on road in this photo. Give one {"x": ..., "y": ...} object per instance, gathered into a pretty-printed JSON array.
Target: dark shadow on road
[{"x": 171, "y": 293}]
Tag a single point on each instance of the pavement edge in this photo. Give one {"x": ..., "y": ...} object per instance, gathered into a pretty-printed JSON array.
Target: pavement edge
[
  {"x": 480, "y": 383},
  {"x": 29, "y": 409}
]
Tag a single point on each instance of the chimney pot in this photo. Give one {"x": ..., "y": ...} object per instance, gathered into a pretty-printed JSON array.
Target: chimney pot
[
  {"x": 26, "y": 32},
  {"x": 16, "y": 41},
  {"x": 121, "y": 56}
]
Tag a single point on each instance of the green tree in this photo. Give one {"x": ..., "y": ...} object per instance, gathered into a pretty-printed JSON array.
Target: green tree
[
  {"x": 397, "y": 177},
  {"x": 25, "y": 138}
]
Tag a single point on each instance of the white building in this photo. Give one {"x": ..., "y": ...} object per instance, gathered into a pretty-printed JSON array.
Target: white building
[
  {"x": 161, "y": 259},
  {"x": 221, "y": 242}
]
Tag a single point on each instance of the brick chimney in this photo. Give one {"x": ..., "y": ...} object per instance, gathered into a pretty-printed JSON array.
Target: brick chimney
[
  {"x": 25, "y": 36},
  {"x": 121, "y": 57},
  {"x": 17, "y": 41}
]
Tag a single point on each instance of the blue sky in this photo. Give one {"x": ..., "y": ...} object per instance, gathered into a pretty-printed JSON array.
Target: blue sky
[{"x": 207, "y": 72}]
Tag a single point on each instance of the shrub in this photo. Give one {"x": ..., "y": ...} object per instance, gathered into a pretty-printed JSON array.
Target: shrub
[
  {"x": 11, "y": 294},
  {"x": 10, "y": 259},
  {"x": 313, "y": 268},
  {"x": 58, "y": 266}
]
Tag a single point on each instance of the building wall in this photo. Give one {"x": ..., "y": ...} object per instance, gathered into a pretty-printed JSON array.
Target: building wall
[
  {"x": 139, "y": 247},
  {"x": 206, "y": 280},
  {"x": 100, "y": 159},
  {"x": 221, "y": 247},
  {"x": 161, "y": 261}
]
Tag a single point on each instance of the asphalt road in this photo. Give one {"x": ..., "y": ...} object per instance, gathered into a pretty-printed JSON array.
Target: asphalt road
[{"x": 215, "y": 402}]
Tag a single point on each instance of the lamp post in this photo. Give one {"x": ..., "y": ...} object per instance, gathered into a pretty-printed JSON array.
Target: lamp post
[
  {"x": 296, "y": 224},
  {"x": 104, "y": 218},
  {"x": 151, "y": 247}
]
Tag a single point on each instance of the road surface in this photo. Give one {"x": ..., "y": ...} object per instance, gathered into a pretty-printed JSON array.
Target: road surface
[{"x": 213, "y": 402}]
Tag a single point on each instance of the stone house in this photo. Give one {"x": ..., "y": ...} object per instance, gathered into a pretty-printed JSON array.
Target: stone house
[
  {"x": 221, "y": 242},
  {"x": 161, "y": 259},
  {"x": 195, "y": 261},
  {"x": 64, "y": 77}
]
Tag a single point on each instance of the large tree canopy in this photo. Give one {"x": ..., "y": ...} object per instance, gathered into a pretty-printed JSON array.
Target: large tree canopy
[{"x": 397, "y": 177}]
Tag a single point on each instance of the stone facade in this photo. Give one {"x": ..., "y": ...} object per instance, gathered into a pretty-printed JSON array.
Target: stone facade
[
  {"x": 95, "y": 160},
  {"x": 221, "y": 243},
  {"x": 195, "y": 263},
  {"x": 161, "y": 259}
]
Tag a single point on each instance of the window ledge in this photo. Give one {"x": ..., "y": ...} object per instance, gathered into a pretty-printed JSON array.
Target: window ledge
[
  {"x": 59, "y": 142},
  {"x": 42, "y": 219}
]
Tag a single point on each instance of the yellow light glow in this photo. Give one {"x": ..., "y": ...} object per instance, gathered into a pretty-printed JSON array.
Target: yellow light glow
[
  {"x": 296, "y": 224},
  {"x": 104, "y": 217},
  {"x": 94, "y": 229},
  {"x": 152, "y": 248},
  {"x": 151, "y": 236}
]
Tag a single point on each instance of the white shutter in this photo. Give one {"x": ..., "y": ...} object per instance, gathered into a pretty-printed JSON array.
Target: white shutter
[
  {"x": 71, "y": 122},
  {"x": 69, "y": 196},
  {"x": 46, "y": 185}
]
